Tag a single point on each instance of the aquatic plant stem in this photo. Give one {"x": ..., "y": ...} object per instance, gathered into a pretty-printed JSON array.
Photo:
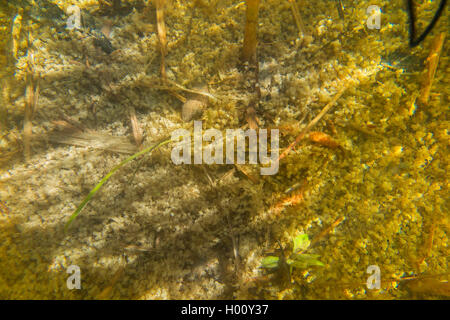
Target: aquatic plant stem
[
  {"x": 313, "y": 122},
  {"x": 250, "y": 32},
  {"x": 298, "y": 18},
  {"x": 106, "y": 178},
  {"x": 161, "y": 27}
]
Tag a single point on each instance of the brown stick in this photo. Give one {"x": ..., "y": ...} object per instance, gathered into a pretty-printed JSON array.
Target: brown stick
[
  {"x": 428, "y": 245},
  {"x": 4, "y": 103},
  {"x": 298, "y": 18},
  {"x": 432, "y": 63},
  {"x": 162, "y": 36},
  {"x": 250, "y": 33},
  {"x": 27, "y": 128},
  {"x": 326, "y": 231},
  {"x": 31, "y": 95},
  {"x": 252, "y": 178},
  {"x": 313, "y": 122},
  {"x": 107, "y": 292}
]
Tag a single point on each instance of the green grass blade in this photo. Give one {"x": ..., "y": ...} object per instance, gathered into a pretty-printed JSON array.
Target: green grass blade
[{"x": 106, "y": 178}]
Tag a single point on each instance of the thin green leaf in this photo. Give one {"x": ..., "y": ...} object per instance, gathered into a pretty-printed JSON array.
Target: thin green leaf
[
  {"x": 106, "y": 178},
  {"x": 305, "y": 260},
  {"x": 270, "y": 262}
]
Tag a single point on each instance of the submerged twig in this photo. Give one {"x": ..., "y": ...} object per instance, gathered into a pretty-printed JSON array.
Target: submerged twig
[
  {"x": 427, "y": 246},
  {"x": 15, "y": 32},
  {"x": 200, "y": 92},
  {"x": 432, "y": 63},
  {"x": 313, "y": 122},
  {"x": 31, "y": 95},
  {"x": 250, "y": 33},
  {"x": 293, "y": 199},
  {"x": 340, "y": 8},
  {"x": 161, "y": 26},
  {"x": 106, "y": 293},
  {"x": 251, "y": 118},
  {"x": 4, "y": 97},
  {"x": 298, "y": 18},
  {"x": 429, "y": 286},
  {"x": 252, "y": 178},
  {"x": 326, "y": 231}
]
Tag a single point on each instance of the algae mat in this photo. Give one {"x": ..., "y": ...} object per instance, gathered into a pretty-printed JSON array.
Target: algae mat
[{"x": 374, "y": 194}]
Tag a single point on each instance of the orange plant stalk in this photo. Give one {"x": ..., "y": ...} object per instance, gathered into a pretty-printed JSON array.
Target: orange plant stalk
[
  {"x": 313, "y": 122},
  {"x": 431, "y": 66},
  {"x": 161, "y": 27}
]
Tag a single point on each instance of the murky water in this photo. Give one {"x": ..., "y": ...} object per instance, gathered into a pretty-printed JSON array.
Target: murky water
[{"x": 100, "y": 199}]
